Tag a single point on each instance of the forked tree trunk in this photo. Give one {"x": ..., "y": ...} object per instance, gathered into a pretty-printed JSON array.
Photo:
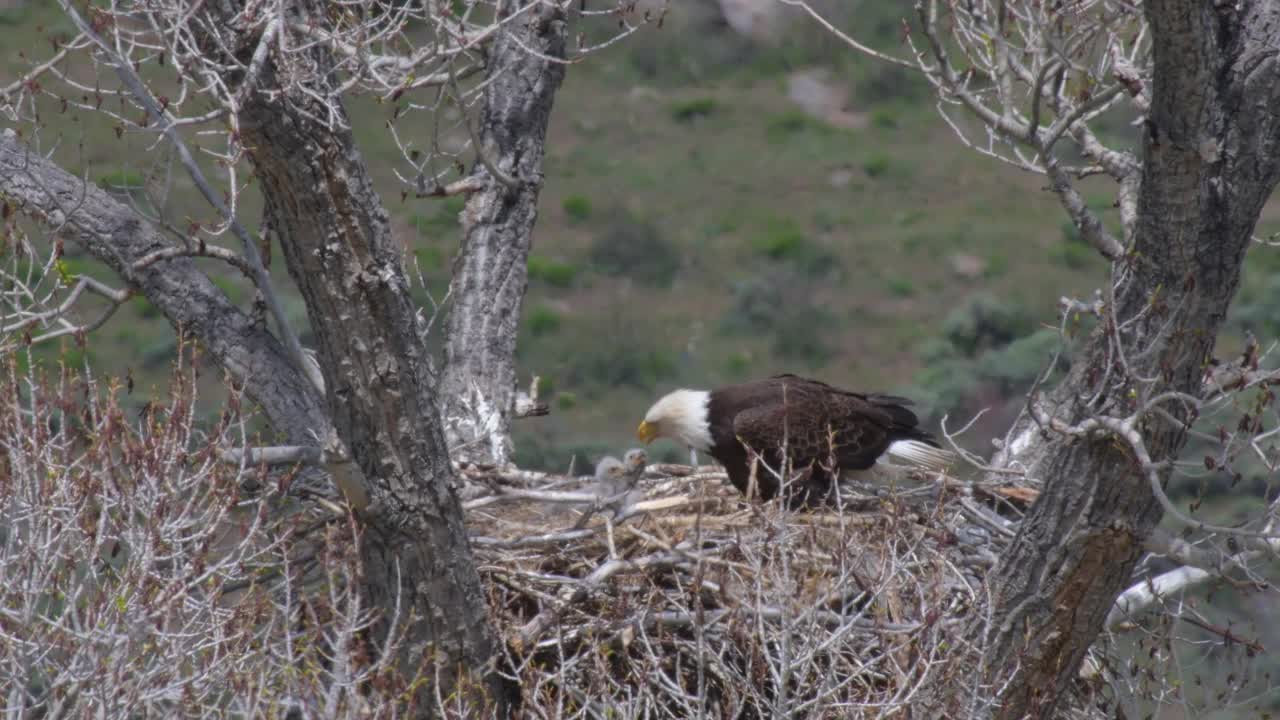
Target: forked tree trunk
[
  {"x": 490, "y": 276},
  {"x": 337, "y": 243},
  {"x": 1210, "y": 163},
  {"x": 338, "y": 246}
]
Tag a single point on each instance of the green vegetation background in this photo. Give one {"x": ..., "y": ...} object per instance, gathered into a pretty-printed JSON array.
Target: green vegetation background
[{"x": 698, "y": 227}]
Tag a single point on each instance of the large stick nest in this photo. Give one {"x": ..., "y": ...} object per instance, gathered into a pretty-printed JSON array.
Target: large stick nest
[{"x": 691, "y": 600}]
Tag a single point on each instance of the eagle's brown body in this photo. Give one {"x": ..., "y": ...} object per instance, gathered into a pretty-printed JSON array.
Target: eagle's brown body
[{"x": 824, "y": 429}]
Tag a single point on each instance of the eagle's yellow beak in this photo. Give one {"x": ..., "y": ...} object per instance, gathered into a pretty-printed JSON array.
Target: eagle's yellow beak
[{"x": 647, "y": 432}]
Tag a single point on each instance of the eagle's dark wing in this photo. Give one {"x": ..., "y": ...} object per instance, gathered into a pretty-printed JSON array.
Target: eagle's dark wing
[
  {"x": 849, "y": 429},
  {"x": 865, "y": 426},
  {"x": 765, "y": 430}
]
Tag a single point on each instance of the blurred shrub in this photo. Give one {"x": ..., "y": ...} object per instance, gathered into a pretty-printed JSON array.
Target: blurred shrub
[
  {"x": 577, "y": 207},
  {"x": 122, "y": 182},
  {"x": 612, "y": 364},
  {"x": 885, "y": 118},
  {"x": 695, "y": 47},
  {"x": 144, "y": 307},
  {"x": 159, "y": 353},
  {"x": 827, "y": 220},
  {"x": 983, "y": 322},
  {"x": 551, "y": 272},
  {"x": 687, "y": 111},
  {"x": 14, "y": 14},
  {"x": 546, "y": 386},
  {"x": 984, "y": 357},
  {"x": 632, "y": 247},
  {"x": 997, "y": 265},
  {"x": 877, "y": 165},
  {"x": 917, "y": 241},
  {"x": 1073, "y": 251},
  {"x": 555, "y": 453},
  {"x": 722, "y": 226},
  {"x": 937, "y": 350},
  {"x": 780, "y": 304},
  {"x": 1070, "y": 233},
  {"x": 599, "y": 353},
  {"x": 543, "y": 320},
  {"x": 944, "y": 386},
  {"x": 430, "y": 259},
  {"x": 737, "y": 364},
  {"x": 128, "y": 185},
  {"x": 901, "y": 287},
  {"x": 1258, "y": 310},
  {"x": 801, "y": 336},
  {"x": 885, "y": 83},
  {"x": 1071, "y": 255},
  {"x": 780, "y": 239},
  {"x": 442, "y": 218},
  {"x": 234, "y": 288},
  {"x": 1015, "y": 366},
  {"x": 785, "y": 125},
  {"x": 755, "y": 306},
  {"x": 535, "y": 452},
  {"x": 909, "y": 217}
]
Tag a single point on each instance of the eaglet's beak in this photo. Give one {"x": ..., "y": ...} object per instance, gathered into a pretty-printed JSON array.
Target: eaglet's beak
[{"x": 647, "y": 432}]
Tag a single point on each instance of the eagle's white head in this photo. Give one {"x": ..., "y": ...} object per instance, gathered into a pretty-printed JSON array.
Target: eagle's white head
[{"x": 680, "y": 416}]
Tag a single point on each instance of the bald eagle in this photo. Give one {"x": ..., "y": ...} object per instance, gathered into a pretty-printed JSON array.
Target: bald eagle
[{"x": 824, "y": 429}]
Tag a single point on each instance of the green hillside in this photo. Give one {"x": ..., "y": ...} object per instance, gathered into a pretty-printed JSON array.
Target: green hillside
[{"x": 699, "y": 227}]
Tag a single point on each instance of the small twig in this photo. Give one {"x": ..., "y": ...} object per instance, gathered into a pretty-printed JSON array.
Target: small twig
[
  {"x": 115, "y": 297},
  {"x": 509, "y": 182},
  {"x": 1224, "y": 633},
  {"x": 203, "y": 250},
  {"x": 465, "y": 186},
  {"x": 277, "y": 455},
  {"x": 846, "y": 39},
  {"x": 1126, "y": 431}
]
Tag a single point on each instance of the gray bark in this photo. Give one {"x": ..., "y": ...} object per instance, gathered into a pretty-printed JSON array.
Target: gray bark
[
  {"x": 1211, "y": 161},
  {"x": 338, "y": 246},
  {"x": 491, "y": 273},
  {"x": 114, "y": 233}
]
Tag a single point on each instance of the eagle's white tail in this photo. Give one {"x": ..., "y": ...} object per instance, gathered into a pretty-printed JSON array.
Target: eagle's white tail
[{"x": 921, "y": 454}]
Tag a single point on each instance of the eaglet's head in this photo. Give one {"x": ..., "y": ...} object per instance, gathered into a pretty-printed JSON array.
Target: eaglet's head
[
  {"x": 635, "y": 461},
  {"x": 609, "y": 468},
  {"x": 679, "y": 416},
  {"x": 612, "y": 477}
]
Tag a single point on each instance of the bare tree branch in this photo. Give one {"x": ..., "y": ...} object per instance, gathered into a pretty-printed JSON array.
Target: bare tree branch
[
  {"x": 83, "y": 283},
  {"x": 114, "y": 234}
]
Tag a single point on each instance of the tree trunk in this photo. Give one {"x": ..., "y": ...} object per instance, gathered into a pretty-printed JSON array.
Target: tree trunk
[
  {"x": 1210, "y": 163},
  {"x": 338, "y": 246},
  {"x": 491, "y": 273},
  {"x": 116, "y": 235}
]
